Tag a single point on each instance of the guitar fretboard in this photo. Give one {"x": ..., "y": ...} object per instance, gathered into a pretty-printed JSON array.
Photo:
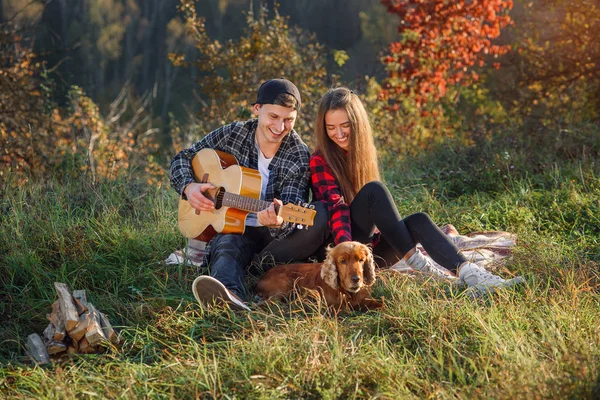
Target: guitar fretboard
[{"x": 243, "y": 202}]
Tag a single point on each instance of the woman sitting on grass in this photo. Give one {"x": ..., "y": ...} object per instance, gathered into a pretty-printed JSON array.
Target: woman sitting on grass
[{"x": 345, "y": 175}]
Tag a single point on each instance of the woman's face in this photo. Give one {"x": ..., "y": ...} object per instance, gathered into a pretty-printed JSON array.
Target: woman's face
[{"x": 337, "y": 125}]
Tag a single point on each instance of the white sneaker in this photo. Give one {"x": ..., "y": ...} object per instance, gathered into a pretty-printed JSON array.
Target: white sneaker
[
  {"x": 209, "y": 291},
  {"x": 419, "y": 262},
  {"x": 483, "y": 281}
]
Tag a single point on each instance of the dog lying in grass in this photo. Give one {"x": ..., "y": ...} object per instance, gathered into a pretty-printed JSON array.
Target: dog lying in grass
[{"x": 343, "y": 280}]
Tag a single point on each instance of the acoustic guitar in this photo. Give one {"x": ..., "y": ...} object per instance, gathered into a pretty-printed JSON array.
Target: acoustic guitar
[{"x": 236, "y": 193}]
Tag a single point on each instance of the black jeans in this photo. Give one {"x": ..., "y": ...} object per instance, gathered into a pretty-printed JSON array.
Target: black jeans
[
  {"x": 373, "y": 206},
  {"x": 231, "y": 255}
]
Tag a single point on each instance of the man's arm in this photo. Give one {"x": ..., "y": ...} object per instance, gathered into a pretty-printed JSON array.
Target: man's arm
[
  {"x": 182, "y": 174},
  {"x": 294, "y": 190}
]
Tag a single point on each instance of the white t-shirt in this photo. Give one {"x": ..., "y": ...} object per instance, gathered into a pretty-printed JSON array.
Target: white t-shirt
[{"x": 263, "y": 168}]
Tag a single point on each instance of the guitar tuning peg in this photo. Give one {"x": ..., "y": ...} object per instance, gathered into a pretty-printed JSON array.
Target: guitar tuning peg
[{"x": 311, "y": 206}]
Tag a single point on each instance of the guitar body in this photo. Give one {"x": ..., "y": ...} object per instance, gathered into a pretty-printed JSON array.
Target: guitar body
[{"x": 222, "y": 170}]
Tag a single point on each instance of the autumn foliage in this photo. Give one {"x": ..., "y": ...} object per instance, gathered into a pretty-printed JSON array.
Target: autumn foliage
[
  {"x": 25, "y": 120},
  {"x": 440, "y": 43},
  {"x": 557, "y": 61},
  {"x": 232, "y": 71},
  {"x": 38, "y": 138}
]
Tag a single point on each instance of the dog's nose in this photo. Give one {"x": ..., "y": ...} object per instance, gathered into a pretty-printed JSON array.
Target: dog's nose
[{"x": 355, "y": 278}]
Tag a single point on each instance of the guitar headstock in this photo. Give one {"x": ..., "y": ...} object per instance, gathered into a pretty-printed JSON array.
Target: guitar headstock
[{"x": 298, "y": 214}]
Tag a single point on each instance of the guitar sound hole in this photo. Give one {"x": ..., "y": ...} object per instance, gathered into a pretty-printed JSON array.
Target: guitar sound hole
[{"x": 219, "y": 198}]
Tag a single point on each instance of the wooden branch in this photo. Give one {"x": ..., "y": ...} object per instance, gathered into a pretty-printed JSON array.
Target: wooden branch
[
  {"x": 67, "y": 307},
  {"x": 36, "y": 349}
]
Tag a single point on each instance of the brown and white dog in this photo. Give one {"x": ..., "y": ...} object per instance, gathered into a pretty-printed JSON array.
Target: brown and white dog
[{"x": 343, "y": 279}]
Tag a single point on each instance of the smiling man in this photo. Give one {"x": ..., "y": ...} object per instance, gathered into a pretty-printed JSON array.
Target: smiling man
[{"x": 269, "y": 144}]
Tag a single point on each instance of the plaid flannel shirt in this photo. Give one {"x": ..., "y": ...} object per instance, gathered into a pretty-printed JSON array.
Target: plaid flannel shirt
[
  {"x": 326, "y": 188},
  {"x": 288, "y": 171}
]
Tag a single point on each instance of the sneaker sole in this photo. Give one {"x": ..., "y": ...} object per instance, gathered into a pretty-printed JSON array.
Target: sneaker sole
[
  {"x": 208, "y": 291},
  {"x": 439, "y": 275}
]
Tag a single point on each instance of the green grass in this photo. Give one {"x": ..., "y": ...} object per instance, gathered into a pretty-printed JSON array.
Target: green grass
[{"x": 430, "y": 341}]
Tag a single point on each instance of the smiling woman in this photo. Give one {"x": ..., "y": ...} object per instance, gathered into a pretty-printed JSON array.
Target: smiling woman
[
  {"x": 345, "y": 176},
  {"x": 337, "y": 124}
]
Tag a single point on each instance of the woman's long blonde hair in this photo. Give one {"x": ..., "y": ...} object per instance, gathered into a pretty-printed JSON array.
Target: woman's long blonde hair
[{"x": 359, "y": 166}]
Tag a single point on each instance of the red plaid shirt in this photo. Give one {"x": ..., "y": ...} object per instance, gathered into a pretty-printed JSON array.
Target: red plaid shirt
[{"x": 325, "y": 188}]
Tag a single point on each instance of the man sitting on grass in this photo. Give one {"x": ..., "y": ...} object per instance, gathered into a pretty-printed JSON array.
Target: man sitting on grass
[{"x": 269, "y": 144}]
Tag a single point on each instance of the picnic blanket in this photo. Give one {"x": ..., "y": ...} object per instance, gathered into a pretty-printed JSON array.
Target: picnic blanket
[
  {"x": 487, "y": 249},
  {"x": 192, "y": 255}
]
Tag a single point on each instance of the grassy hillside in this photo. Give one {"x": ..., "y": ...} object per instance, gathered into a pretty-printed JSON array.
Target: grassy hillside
[{"x": 432, "y": 340}]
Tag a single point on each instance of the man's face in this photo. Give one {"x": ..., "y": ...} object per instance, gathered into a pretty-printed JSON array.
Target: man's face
[{"x": 274, "y": 123}]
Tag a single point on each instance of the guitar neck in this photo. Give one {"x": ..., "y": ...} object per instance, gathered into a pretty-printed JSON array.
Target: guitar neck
[{"x": 243, "y": 202}]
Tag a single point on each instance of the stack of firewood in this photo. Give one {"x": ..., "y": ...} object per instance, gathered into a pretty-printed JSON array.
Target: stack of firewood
[{"x": 76, "y": 326}]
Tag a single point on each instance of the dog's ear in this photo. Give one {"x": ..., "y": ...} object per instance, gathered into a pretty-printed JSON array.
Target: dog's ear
[
  {"x": 369, "y": 268},
  {"x": 329, "y": 271}
]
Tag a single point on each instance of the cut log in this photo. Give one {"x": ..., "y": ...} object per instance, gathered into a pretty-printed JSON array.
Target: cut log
[
  {"x": 81, "y": 328},
  {"x": 80, "y": 295},
  {"x": 36, "y": 349},
  {"x": 75, "y": 344},
  {"x": 109, "y": 332},
  {"x": 94, "y": 333},
  {"x": 76, "y": 326},
  {"x": 69, "y": 312},
  {"x": 79, "y": 306},
  {"x": 49, "y": 333},
  {"x": 56, "y": 347},
  {"x": 57, "y": 320},
  {"x": 85, "y": 347}
]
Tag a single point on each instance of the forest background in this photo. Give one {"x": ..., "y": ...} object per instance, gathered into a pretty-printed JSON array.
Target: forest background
[
  {"x": 486, "y": 116},
  {"x": 81, "y": 77}
]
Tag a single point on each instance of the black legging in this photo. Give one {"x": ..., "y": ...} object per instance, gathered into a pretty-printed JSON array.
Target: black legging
[{"x": 373, "y": 206}]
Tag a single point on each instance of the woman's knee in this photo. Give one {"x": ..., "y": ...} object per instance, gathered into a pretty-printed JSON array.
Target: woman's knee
[
  {"x": 418, "y": 219},
  {"x": 376, "y": 186},
  {"x": 376, "y": 191}
]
